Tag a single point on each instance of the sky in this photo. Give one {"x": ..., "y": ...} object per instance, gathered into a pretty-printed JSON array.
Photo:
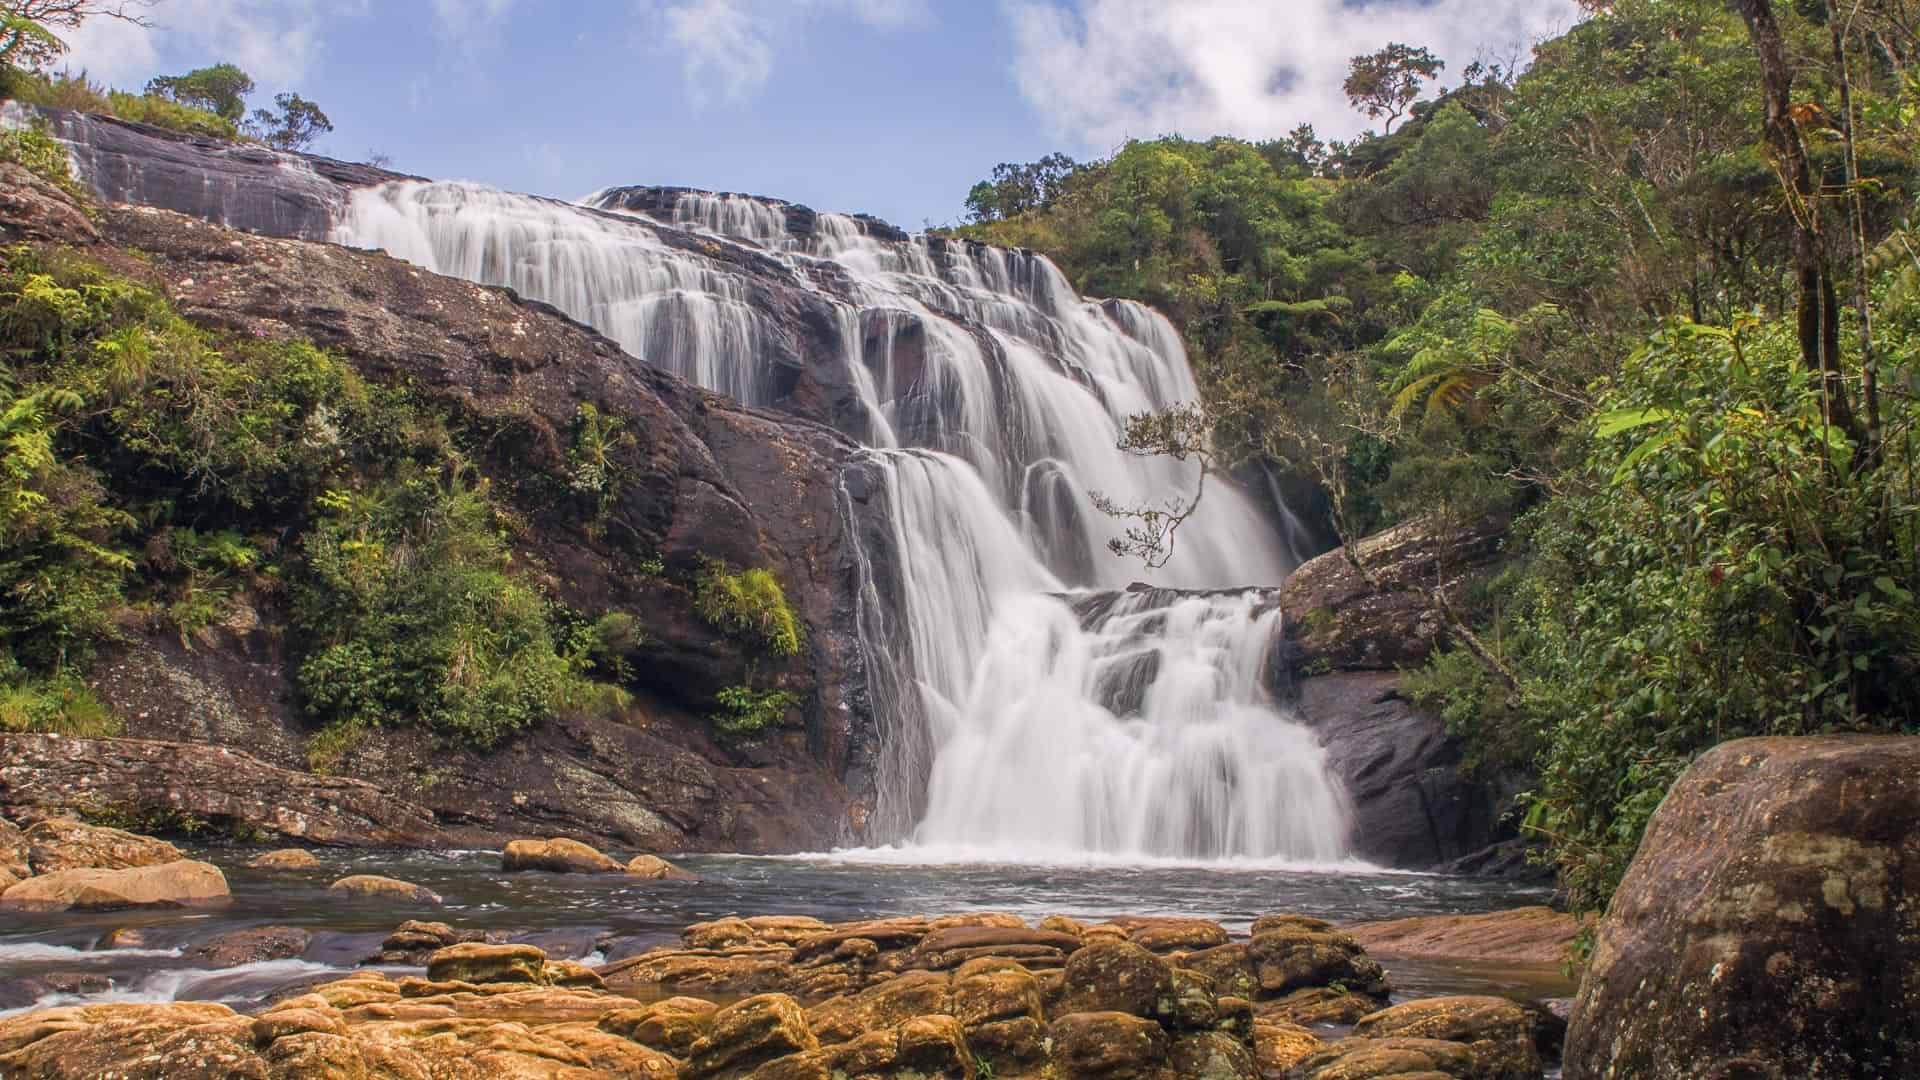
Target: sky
[{"x": 889, "y": 107}]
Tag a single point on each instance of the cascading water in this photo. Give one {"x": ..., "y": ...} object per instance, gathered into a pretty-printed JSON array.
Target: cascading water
[{"x": 1026, "y": 713}]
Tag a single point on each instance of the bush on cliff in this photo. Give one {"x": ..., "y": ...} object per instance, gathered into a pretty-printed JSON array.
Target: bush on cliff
[
  {"x": 81, "y": 94},
  {"x": 749, "y": 604},
  {"x": 152, "y": 471}
]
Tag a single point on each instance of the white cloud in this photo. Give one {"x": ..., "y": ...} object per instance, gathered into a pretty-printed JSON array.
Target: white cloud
[
  {"x": 1100, "y": 71},
  {"x": 470, "y": 22},
  {"x": 275, "y": 41},
  {"x": 728, "y": 46}
]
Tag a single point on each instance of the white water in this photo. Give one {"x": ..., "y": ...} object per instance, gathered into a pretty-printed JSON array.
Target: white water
[{"x": 994, "y": 398}]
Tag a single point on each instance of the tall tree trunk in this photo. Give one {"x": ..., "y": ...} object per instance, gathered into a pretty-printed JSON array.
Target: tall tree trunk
[
  {"x": 1856, "y": 204},
  {"x": 1819, "y": 302}
]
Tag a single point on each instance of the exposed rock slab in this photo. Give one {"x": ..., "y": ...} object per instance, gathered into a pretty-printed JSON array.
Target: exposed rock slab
[
  {"x": 1769, "y": 925},
  {"x": 1529, "y": 935}
]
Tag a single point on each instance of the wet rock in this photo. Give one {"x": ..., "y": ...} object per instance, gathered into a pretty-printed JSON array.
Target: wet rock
[
  {"x": 914, "y": 993},
  {"x": 750, "y": 1033},
  {"x": 125, "y": 937},
  {"x": 182, "y": 883},
  {"x": 24, "y": 992},
  {"x": 249, "y": 946},
  {"x": 1287, "y": 960},
  {"x": 375, "y": 887},
  {"x": 479, "y": 963},
  {"x": 1211, "y": 1055},
  {"x": 182, "y": 1041},
  {"x": 1229, "y": 966},
  {"x": 60, "y": 844},
  {"x": 751, "y": 971},
  {"x": 1107, "y": 1044},
  {"x": 949, "y": 948},
  {"x": 1498, "y": 1032},
  {"x": 1529, "y": 935},
  {"x": 671, "y": 1026},
  {"x": 285, "y": 859},
  {"x": 1269, "y": 923},
  {"x": 414, "y": 940},
  {"x": 991, "y": 991},
  {"x": 1380, "y": 1059},
  {"x": 1278, "y": 1047},
  {"x": 1009, "y": 1047},
  {"x": 1171, "y": 935},
  {"x": 655, "y": 868},
  {"x": 1769, "y": 925},
  {"x": 556, "y": 856},
  {"x": 1195, "y": 1007},
  {"x": 1319, "y": 1005},
  {"x": 1121, "y": 977}
]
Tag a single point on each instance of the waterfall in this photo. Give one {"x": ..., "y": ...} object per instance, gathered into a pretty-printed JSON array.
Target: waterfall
[{"x": 1029, "y": 706}]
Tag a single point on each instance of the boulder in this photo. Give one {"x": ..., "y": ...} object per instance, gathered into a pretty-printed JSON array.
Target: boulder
[
  {"x": 748, "y": 1034},
  {"x": 671, "y": 1026},
  {"x": 556, "y": 856},
  {"x": 1399, "y": 1059},
  {"x": 655, "y": 868},
  {"x": 1170, "y": 935},
  {"x": 181, "y": 883},
  {"x": 1118, "y": 976},
  {"x": 285, "y": 859},
  {"x": 1498, "y": 1032},
  {"x": 375, "y": 887},
  {"x": 476, "y": 962},
  {"x": 250, "y": 946},
  {"x": 913, "y": 993},
  {"x": 1107, "y": 1044},
  {"x": 58, "y": 844},
  {"x": 1278, "y": 1047},
  {"x": 1211, "y": 1055},
  {"x": 1769, "y": 925},
  {"x": 413, "y": 941},
  {"x": 1319, "y": 1005},
  {"x": 1288, "y": 960},
  {"x": 15, "y": 853},
  {"x": 180, "y": 1041},
  {"x": 1528, "y": 935}
]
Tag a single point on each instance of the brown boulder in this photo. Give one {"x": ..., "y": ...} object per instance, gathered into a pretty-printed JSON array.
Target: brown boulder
[
  {"x": 15, "y": 853},
  {"x": 414, "y": 940},
  {"x": 988, "y": 991},
  {"x": 373, "y": 886},
  {"x": 1107, "y": 1044},
  {"x": 748, "y": 1034},
  {"x": 1528, "y": 935},
  {"x": 64, "y": 844},
  {"x": 182, "y": 1041},
  {"x": 1399, "y": 1059},
  {"x": 1319, "y": 1005},
  {"x": 1498, "y": 1032},
  {"x": 1118, "y": 976},
  {"x": 655, "y": 868},
  {"x": 913, "y": 993},
  {"x": 671, "y": 1026},
  {"x": 182, "y": 883},
  {"x": 1170, "y": 935},
  {"x": 285, "y": 859},
  {"x": 1278, "y": 1047},
  {"x": 1769, "y": 925},
  {"x": 249, "y": 946},
  {"x": 480, "y": 963},
  {"x": 556, "y": 856},
  {"x": 1288, "y": 960},
  {"x": 1211, "y": 1055}
]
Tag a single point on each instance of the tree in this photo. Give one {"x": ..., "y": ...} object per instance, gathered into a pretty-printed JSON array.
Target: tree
[
  {"x": 221, "y": 89},
  {"x": 1015, "y": 189},
  {"x": 1387, "y": 82},
  {"x": 295, "y": 126},
  {"x": 28, "y": 38}
]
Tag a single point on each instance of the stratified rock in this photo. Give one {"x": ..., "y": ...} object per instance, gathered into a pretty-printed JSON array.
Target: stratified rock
[
  {"x": 182, "y": 883},
  {"x": 414, "y": 940},
  {"x": 1399, "y": 1059},
  {"x": 1319, "y": 1005},
  {"x": 182, "y": 1041},
  {"x": 556, "y": 856},
  {"x": 1529, "y": 935},
  {"x": 58, "y": 844},
  {"x": 1118, "y": 976},
  {"x": 1287, "y": 960},
  {"x": 1278, "y": 1046},
  {"x": 1499, "y": 1033},
  {"x": 480, "y": 963},
  {"x": 249, "y": 946},
  {"x": 672, "y": 1026},
  {"x": 373, "y": 886},
  {"x": 750, "y": 1033},
  {"x": 915, "y": 993},
  {"x": 1267, "y": 923},
  {"x": 1769, "y": 925},
  {"x": 655, "y": 868},
  {"x": 1107, "y": 1044},
  {"x": 1170, "y": 935},
  {"x": 285, "y": 859}
]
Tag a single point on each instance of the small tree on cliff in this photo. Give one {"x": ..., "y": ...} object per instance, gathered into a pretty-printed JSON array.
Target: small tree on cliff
[
  {"x": 1387, "y": 83},
  {"x": 294, "y": 123},
  {"x": 221, "y": 89}
]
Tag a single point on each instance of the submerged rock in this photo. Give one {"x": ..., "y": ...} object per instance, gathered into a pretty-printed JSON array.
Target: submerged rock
[
  {"x": 655, "y": 868},
  {"x": 556, "y": 856},
  {"x": 249, "y": 946},
  {"x": 285, "y": 859},
  {"x": 1769, "y": 925},
  {"x": 181, "y": 883},
  {"x": 373, "y": 886}
]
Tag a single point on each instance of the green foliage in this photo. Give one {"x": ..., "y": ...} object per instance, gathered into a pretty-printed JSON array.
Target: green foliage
[
  {"x": 1385, "y": 83},
  {"x": 750, "y": 605},
  {"x": 58, "y": 704},
  {"x": 745, "y": 712},
  {"x": 25, "y": 44},
  {"x": 221, "y": 90},
  {"x": 292, "y": 124},
  {"x": 172, "y": 115},
  {"x": 41, "y": 154},
  {"x": 593, "y": 469}
]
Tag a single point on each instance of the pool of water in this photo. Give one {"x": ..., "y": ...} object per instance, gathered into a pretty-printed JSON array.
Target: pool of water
[{"x": 603, "y": 916}]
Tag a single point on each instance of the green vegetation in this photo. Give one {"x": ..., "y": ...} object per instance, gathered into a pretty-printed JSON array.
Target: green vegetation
[
  {"x": 1673, "y": 341},
  {"x": 71, "y": 91},
  {"x": 40, "y": 154},
  {"x": 221, "y": 90},
  {"x": 154, "y": 471},
  {"x": 749, "y": 605},
  {"x": 745, "y": 712}
]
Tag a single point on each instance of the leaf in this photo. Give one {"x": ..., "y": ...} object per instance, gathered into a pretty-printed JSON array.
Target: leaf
[{"x": 1612, "y": 423}]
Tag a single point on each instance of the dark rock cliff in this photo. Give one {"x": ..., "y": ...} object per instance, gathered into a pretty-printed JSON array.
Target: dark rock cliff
[{"x": 706, "y": 477}]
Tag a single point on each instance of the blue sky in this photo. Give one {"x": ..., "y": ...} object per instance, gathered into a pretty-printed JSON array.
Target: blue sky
[{"x": 891, "y": 107}]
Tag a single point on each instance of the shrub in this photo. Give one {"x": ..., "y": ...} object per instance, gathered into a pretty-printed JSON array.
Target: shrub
[
  {"x": 42, "y": 155},
  {"x": 60, "y": 705},
  {"x": 81, "y": 94},
  {"x": 746, "y": 712},
  {"x": 750, "y": 605}
]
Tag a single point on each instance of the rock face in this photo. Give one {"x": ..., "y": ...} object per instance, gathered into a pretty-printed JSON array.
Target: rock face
[
  {"x": 1345, "y": 641},
  {"x": 706, "y": 478},
  {"x": 1530, "y": 935},
  {"x": 1770, "y": 924}
]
